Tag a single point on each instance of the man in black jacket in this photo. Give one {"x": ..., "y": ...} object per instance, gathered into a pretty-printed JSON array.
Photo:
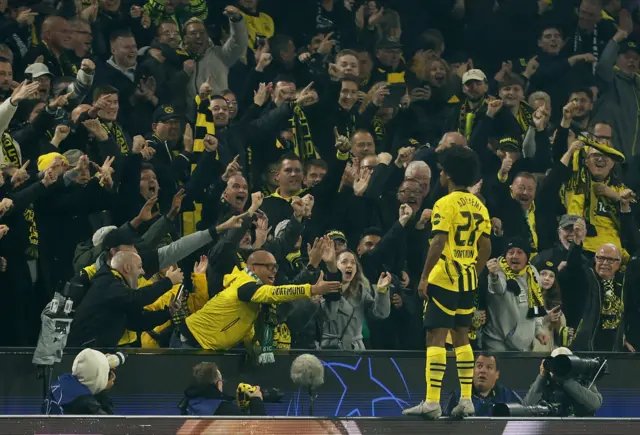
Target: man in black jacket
[
  {"x": 115, "y": 303},
  {"x": 595, "y": 296},
  {"x": 278, "y": 205},
  {"x": 555, "y": 255},
  {"x": 55, "y": 47}
]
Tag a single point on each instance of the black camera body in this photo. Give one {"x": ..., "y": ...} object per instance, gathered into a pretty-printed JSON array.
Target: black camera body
[
  {"x": 572, "y": 367},
  {"x": 555, "y": 401}
]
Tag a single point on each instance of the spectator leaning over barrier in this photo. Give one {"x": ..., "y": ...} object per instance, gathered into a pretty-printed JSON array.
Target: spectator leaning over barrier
[{"x": 239, "y": 304}]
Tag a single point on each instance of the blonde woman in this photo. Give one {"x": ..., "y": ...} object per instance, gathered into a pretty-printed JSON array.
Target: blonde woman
[{"x": 345, "y": 314}]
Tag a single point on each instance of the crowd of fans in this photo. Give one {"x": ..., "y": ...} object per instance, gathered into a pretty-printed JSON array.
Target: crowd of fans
[{"x": 208, "y": 173}]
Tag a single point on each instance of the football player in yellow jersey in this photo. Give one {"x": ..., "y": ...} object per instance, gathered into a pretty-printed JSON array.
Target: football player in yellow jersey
[{"x": 458, "y": 252}]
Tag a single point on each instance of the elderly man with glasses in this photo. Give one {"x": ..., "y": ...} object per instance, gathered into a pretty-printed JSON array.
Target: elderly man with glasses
[{"x": 599, "y": 297}]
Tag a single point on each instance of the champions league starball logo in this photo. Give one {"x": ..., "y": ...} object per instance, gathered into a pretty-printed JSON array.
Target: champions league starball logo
[{"x": 382, "y": 401}]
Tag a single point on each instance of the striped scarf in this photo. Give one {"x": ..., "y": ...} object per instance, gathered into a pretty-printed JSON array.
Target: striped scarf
[
  {"x": 536, "y": 301},
  {"x": 115, "y": 131},
  {"x": 467, "y": 117},
  {"x": 267, "y": 322}
]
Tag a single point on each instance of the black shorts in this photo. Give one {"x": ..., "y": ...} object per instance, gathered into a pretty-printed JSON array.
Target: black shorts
[{"x": 449, "y": 309}]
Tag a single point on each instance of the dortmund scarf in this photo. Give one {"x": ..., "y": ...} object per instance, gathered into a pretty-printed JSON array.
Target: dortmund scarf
[
  {"x": 11, "y": 155},
  {"x": 467, "y": 118},
  {"x": 303, "y": 145},
  {"x": 267, "y": 322},
  {"x": 379, "y": 130},
  {"x": 581, "y": 181},
  {"x": 116, "y": 132},
  {"x": 10, "y": 151},
  {"x": 612, "y": 304},
  {"x": 536, "y": 301},
  {"x": 524, "y": 118}
]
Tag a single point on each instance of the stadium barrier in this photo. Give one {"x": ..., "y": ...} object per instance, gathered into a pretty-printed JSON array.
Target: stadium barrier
[{"x": 372, "y": 384}]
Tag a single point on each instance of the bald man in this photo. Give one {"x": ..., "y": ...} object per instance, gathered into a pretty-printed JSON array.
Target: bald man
[
  {"x": 593, "y": 296},
  {"x": 114, "y": 303},
  {"x": 229, "y": 317},
  {"x": 56, "y": 47},
  {"x": 129, "y": 265}
]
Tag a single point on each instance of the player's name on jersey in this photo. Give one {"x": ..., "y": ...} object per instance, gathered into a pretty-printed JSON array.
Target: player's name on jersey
[
  {"x": 469, "y": 200},
  {"x": 463, "y": 253}
]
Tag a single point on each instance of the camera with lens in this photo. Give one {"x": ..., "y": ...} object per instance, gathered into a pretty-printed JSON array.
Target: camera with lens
[
  {"x": 555, "y": 401},
  {"x": 542, "y": 409},
  {"x": 572, "y": 367}
]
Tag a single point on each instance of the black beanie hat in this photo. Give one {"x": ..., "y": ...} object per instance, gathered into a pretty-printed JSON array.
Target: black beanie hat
[{"x": 519, "y": 243}]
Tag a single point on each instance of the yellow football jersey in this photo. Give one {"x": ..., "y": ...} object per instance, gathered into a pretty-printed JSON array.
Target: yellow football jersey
[{"x": 464, "y": 218}]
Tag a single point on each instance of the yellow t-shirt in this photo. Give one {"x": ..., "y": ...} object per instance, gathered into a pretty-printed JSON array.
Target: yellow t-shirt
[
  {"x": 465, "y": 219},
  {"x": 258, "y": 25}
]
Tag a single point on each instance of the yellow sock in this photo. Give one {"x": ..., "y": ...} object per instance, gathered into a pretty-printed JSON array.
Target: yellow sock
[
  {"x": 436, "y": 365},
  {"x": 464, "y": 361}
]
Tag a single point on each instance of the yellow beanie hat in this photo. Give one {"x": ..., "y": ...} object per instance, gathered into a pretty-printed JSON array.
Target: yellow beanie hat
[{"x": 45, "y": 160}]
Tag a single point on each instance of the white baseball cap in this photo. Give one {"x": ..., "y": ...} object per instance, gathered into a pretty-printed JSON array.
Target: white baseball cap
[
  {"x": 474, "y": 74},
  {"x": 37, "y": 69},
  {"x": 560, "y": 351}
]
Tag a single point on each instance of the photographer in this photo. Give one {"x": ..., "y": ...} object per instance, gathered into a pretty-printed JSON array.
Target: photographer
[
  {"x": 205, "y": 397},
  {"x": 84, "y": 390},
  {"x": 573, "y": 396}
]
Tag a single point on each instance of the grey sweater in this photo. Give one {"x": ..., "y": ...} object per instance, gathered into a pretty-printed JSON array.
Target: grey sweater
[
  {"x": 618, "y": 102},
  {"x": 508, "y": 327},
  {"x": 338, "y": 317},
  {"x": 588, "y": 399},
  {"x": 216, "y": 62}
]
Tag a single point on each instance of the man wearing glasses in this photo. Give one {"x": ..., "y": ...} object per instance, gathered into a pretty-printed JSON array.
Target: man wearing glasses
[
  {"x": 229, "y": 317},
  {"x": 601, "y": 295}
]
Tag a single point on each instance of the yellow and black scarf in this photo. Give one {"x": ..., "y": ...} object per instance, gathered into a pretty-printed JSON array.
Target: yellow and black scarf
[
  {"x": 467, "y": 117},
  {"x": 581, "y": 181},
  {"x": 12, "y": 155},
  {"x": 10, "y": 150},
  {"x": 62, "y": 64},
  {"x": 524, "y": 118},
  {"x": 303, "y": 145},
  {"x": 536, "y": 301},
  {"x": 612, "y": 304},
  {"x": 379, "y": 130},
  {"x": 115, "y": 131}
]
